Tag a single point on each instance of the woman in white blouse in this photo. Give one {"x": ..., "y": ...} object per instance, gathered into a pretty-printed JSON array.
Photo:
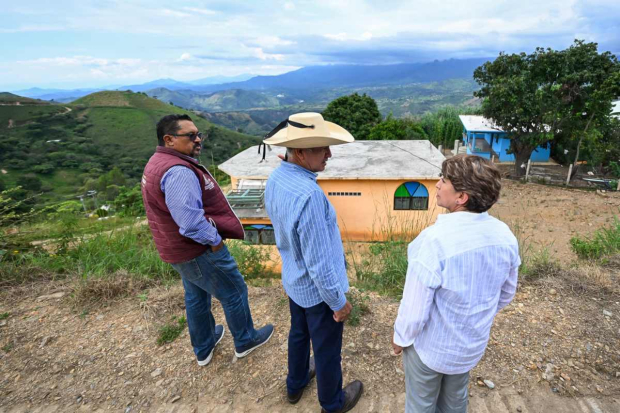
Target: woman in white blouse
[{"x": 462, "y": 270}]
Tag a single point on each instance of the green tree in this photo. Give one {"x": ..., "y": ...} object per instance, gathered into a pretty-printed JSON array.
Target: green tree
[
  {"x": 444, "y": 126},
  {"x": 541, "y": 96},
  {"x": 357, "y": 114},
  {"x": 518, "y": 98},
  {"x": 397, "y": 129},
  {"x": 46, "y": 168},
  {"x": 129, "y": 201},
  {"x": 589, "y": 83},
  {"x": 30, "y": 182}
]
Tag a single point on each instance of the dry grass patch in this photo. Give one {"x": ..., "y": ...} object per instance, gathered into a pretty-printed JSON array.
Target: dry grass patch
[{"x": 101, "y": 291}]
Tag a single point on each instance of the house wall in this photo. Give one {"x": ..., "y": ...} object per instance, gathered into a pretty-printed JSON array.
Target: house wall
[
  {"x": 500, "y": 146},
  {"x": 371, "y": 216}
]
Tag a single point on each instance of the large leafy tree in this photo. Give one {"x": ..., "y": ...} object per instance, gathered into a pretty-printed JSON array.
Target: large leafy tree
[
  {"x": 536, "y": 97},
  {"x": 397, "y": 129},
  {"x": 357, "y": 114},
  {"x": 518, "y": 98},
  {"x": 589, "y": 82}
]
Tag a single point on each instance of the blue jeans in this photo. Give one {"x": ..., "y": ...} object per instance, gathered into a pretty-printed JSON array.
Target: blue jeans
[
  {"x": 317, "y": 324},
  {"x": 215, "y": 274}
]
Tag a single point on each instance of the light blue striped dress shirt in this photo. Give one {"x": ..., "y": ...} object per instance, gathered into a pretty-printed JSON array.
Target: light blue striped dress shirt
[
  {"x": 308, "y": 238},
  {"x": 181, "y": 188},
  {"x": 462, "y": 271}
]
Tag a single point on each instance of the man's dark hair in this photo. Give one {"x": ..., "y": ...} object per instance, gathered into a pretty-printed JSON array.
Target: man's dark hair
[{"x": 169, "y": 125}]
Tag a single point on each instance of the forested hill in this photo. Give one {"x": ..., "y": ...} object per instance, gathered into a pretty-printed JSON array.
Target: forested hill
[{"x": 62, "y": 149}]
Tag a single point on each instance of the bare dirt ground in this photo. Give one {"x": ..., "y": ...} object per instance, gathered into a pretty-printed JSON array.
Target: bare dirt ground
[
  {"x": 555, "y": 348},
  {"x": 548, "y": 216}
]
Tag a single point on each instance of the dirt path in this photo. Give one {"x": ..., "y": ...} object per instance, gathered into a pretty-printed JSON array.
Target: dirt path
[
  {"x": 556, "y": 348},
  {"x": 74, "y": 359}
]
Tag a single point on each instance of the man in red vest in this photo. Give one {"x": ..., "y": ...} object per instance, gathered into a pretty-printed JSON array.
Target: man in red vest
[{"x": 189, "y": 218}]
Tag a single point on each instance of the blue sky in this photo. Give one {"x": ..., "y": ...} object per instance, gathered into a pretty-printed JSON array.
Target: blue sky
[{"x": 94, "y": 43}]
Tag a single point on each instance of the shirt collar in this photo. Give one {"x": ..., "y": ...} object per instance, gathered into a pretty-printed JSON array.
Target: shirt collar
[
  {"x": 462, "y": 216},
  {"x": 298, "y": 169}
]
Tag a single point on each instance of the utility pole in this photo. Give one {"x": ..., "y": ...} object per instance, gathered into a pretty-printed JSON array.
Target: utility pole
[
  {"x": 93, "y": 193},
  {"x": 81, "y": 197}
]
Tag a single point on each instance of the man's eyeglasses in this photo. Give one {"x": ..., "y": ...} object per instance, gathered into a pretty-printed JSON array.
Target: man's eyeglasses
[{"x": 192, "y": 135}]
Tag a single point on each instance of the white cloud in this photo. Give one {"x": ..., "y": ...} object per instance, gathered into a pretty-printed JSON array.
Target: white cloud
[
  {"x": 173, "y": 13},
  {"x": 259, "y": 53},
  {"x": 185, "y": 57},
  {"x": 272, "y": 41},
  {"x": 345, "y": 37},
  {"x": 205, "y": 12}
]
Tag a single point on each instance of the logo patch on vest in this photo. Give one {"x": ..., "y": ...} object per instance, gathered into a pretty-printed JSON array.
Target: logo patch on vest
[{"x": 209, "y": 185}]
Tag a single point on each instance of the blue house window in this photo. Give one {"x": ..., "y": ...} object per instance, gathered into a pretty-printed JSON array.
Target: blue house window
[
  {"x": 259, "y": 234},
  {"x": 411, "y": 196}
]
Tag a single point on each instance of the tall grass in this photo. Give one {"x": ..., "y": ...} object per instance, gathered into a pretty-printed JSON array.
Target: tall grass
[
  {"x": 130, "y": 250},
  {"x": 252, "y": 260},
  {"x": 605, "y": 241},
  {"x": 383, "y": 267},
  {"x": 535, "y": 263}
]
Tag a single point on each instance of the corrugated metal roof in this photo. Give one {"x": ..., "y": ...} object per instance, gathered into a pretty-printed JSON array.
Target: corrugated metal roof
[
  {"x": 474, "y": 123},
  {"x": 415, "y": 159}
]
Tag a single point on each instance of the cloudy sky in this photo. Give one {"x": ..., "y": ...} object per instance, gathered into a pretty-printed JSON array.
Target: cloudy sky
[{"x": 94, "y": 43}]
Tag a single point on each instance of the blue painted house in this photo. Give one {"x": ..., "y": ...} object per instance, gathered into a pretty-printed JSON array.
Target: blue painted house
[{"x": 481, "y": 137}]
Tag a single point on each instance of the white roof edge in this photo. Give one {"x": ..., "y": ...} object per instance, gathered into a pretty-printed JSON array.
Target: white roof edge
[{"x": 320, "y": 178}]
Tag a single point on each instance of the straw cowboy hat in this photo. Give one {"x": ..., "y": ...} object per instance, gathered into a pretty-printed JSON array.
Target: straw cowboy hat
[{"x": 307, "y": 130}]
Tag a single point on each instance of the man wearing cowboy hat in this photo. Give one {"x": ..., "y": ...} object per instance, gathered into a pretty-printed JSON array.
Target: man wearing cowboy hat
[{"x": 313, "y": 265}]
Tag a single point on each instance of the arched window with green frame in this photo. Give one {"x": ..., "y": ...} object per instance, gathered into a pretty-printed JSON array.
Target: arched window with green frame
[{"x": 411, "y": 196}]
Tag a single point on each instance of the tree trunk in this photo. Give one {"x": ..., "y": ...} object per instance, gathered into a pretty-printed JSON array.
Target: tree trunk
[
  {"x": 522, "y": 155},
  {"x": 579, "y": 146}
]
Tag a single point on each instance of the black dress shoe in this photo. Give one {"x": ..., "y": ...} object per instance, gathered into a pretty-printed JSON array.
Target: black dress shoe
[
  {"x": 295, "y": 397},
  {"x": 352, "y": 393}
]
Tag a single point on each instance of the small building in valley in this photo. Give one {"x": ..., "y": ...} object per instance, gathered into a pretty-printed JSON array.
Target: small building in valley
[
  {"x": 380, "y": 189},
  {"x": 481, "y": 137}
]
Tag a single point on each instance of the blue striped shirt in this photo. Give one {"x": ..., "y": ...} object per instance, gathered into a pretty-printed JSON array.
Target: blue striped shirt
[
  {"x": 181, "y": 188},
  {"x": 308, "y": 238},
  {"x": 462, "y": 271}
]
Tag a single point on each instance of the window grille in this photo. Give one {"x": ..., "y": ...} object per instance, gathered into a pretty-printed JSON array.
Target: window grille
[
  {"x": 344, "y": 193},
  {"x": 411, "y": 196}
]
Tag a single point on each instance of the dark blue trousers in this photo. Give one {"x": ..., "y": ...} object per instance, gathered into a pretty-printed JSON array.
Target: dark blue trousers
[{"x": 316, "y": 324}]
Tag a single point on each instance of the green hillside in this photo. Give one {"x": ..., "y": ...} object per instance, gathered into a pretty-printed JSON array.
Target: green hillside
[
  {"x": 67, "y": 147},
  {"x": 7, "y": 98},
  {"x": 227, "y": 100}
]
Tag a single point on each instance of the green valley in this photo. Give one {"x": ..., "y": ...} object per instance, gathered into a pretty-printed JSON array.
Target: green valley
[{"x": 62, "y": 150}]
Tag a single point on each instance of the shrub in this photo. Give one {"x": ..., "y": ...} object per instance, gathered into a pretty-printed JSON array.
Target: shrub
[
  {"x": 359, "y": 308},
  {"x": 251, "y": 259},
  {"x": 170, "y": 331},
  {"x": 605, "y": 241},
  {"x": 384, "y": 268}
]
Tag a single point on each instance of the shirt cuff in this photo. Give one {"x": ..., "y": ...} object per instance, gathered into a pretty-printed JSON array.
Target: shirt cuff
[
  {"x": 339, "y": 305},
  {"x": 399, "y": 342},
  {"x": 217, "y": 240}
]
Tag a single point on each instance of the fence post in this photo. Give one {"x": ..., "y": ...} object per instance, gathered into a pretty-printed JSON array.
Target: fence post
[
  {"x": 440, "y": 149},
  {"x": 570, "y": 171},
  {"x": 456, "y": 147},
  {"x": 527, "y": 170}
]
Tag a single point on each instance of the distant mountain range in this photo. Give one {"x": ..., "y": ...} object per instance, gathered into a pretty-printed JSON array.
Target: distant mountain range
[
  {"x": 255, "y": 103},
  {"x": 307, "y": 78}
]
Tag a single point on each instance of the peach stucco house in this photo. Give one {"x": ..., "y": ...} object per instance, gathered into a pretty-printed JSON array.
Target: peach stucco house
[{"x": 380, "y": 189}]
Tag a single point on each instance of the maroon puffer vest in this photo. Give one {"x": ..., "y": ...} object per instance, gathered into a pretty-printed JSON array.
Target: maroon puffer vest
[{"x": 171, "y": 245}]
